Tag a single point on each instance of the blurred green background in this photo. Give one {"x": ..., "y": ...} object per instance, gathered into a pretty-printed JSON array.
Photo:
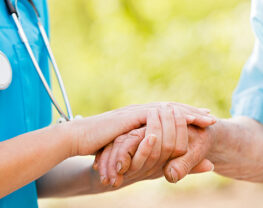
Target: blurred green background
[{"x": 119, "y": 52}]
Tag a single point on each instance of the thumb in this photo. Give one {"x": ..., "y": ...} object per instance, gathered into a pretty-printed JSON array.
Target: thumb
[
  {"x": 199, "y": 144},
  {"x": 178, "y": 168}
]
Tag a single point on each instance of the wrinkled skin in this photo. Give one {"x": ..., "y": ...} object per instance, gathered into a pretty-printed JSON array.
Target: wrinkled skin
[{"x": 142, "y": 155}]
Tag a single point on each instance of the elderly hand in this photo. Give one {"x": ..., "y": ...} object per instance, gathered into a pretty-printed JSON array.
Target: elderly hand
[
  {"x": 200, "y": 143},
  {"x": 162, "y": 140}
]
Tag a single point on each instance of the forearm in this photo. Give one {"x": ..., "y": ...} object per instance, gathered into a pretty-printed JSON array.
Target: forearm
[
  {"x": 75, "y": 176},
  {"x": 27, "y": 157},
  {"x": 237, "y": 149}
]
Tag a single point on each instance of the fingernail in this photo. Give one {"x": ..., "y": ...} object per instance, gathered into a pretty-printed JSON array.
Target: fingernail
[
  {"x": 173, "y": 175},
  {"x": 102, "y": 179},
  {"x": 112, "y": 181},
  {"x": 151, "y": 139},
  {"x": 208, "y": 119},
  {"x": 119, "y": 167}
]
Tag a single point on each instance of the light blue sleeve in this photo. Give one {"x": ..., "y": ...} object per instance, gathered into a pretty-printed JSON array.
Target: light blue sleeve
[{"x": 248, "y": 96}]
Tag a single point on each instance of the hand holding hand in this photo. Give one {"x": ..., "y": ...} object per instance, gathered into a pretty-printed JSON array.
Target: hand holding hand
[
  {"x": 156, "y": 144},
  {"x": 200, "y": 142}
]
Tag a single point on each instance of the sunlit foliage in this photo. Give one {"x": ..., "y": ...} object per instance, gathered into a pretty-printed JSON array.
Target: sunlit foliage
[{"x": 118, "y": 52}]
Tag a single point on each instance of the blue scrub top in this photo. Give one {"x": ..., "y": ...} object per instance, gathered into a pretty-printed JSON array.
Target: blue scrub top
[
  {"x": 24, "y": 106},
  {"x": 248, "y": 96}
]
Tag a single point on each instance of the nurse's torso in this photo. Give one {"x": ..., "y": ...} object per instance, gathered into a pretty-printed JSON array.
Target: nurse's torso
[{"x": 24, "y": 106}]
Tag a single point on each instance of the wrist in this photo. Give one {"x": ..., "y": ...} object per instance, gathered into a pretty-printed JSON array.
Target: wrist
[
  {"x": 81, "y": 136},
  {"x": 219, "y": 143},
  {"x": 68, "y": 136},
  {"x": 213, "y": 139}
]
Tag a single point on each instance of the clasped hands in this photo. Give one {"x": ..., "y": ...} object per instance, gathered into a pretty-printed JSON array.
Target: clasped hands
[{"x": 173, "y": 143}]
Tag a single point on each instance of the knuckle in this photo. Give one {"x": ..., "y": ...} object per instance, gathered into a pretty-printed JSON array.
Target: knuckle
[
  {"x": 164, "y": 106},
  {"x": 170, "y": 108},
  {"x": 154, "y": 157},
  {"x": 144, "y": 153},
  {"x": 123, "y": 153},
  {"x": 120, "y": 139},
  {"x": 125, "y": 166},
  {"x": 180, "y": 121},
  {"x": 155, "y": 127},
  {"x": 167, "y": 148},
  {"x": 179, "y": 151},
  {"x": 184, "y": 169},
  {"x": 134, "y": 169},
  {"x": 124, "y": 158},
  {"x": 112, "y": 174},
  {"x": 134, "y": 132},
  {"x": 150, "y": 172},
  {"x": 139, "y": 133}
]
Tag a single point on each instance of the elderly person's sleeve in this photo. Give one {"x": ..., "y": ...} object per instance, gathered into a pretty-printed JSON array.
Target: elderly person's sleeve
[{"x": 248, "y": 96}]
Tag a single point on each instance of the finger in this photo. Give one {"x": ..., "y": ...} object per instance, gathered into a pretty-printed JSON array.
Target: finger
[
  {"x": 190, "y": 119},
  {"x": 204, "y": 166},
  {"x": 128, "y": 149},
  {"x": 154, "y": 128},
  {"x": 103, "y": 164},
  {"x": 134, "y": 136},
  {"x": 203, "y": 121},
  {"x": 169, "y": 138},
  {"x": 96, "y": 161},
  {"x": 111, "y": 164},
  {"x": 192, "y": 109},
  {"x": 179, "y": 167},
  {"x": 181, "y": 134},
  {"x": 118, "y": 182},
  {"x": 143, "y": 153},
  {"x": 188, "y": 108},
  {"x": 176, "y": 169},
  {"x": 199, "y": 119},
  {"x": 168, "y": 132},
  {"x": 205, "y": 110}
]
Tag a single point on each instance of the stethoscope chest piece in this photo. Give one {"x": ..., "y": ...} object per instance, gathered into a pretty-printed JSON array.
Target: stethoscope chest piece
[{"x": 5, "y": 72}]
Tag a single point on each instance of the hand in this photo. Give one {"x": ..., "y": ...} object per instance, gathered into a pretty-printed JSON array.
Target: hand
[
  {"x": 90, "y": 134},
  {"x": 126, "y": 145},
  {"x": 200, "y": 143},
  {"x": 152, "y": 153}
]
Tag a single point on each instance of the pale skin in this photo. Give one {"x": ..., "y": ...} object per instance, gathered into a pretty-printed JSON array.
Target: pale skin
[
  {"x": 233, "y": 145},
  {"x": 35, "y": 155}
]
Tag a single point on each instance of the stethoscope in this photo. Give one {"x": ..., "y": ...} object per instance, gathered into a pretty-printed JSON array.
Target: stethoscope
[{"x": 6, "y": 71}]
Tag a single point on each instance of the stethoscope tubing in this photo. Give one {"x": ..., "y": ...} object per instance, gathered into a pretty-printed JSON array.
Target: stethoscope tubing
[
  {"x": 56, "y": 70},
  {"x": 12, "y": 11}
]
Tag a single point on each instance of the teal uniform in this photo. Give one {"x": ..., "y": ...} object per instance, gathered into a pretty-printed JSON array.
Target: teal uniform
[{"x": 24, "y": 105}]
